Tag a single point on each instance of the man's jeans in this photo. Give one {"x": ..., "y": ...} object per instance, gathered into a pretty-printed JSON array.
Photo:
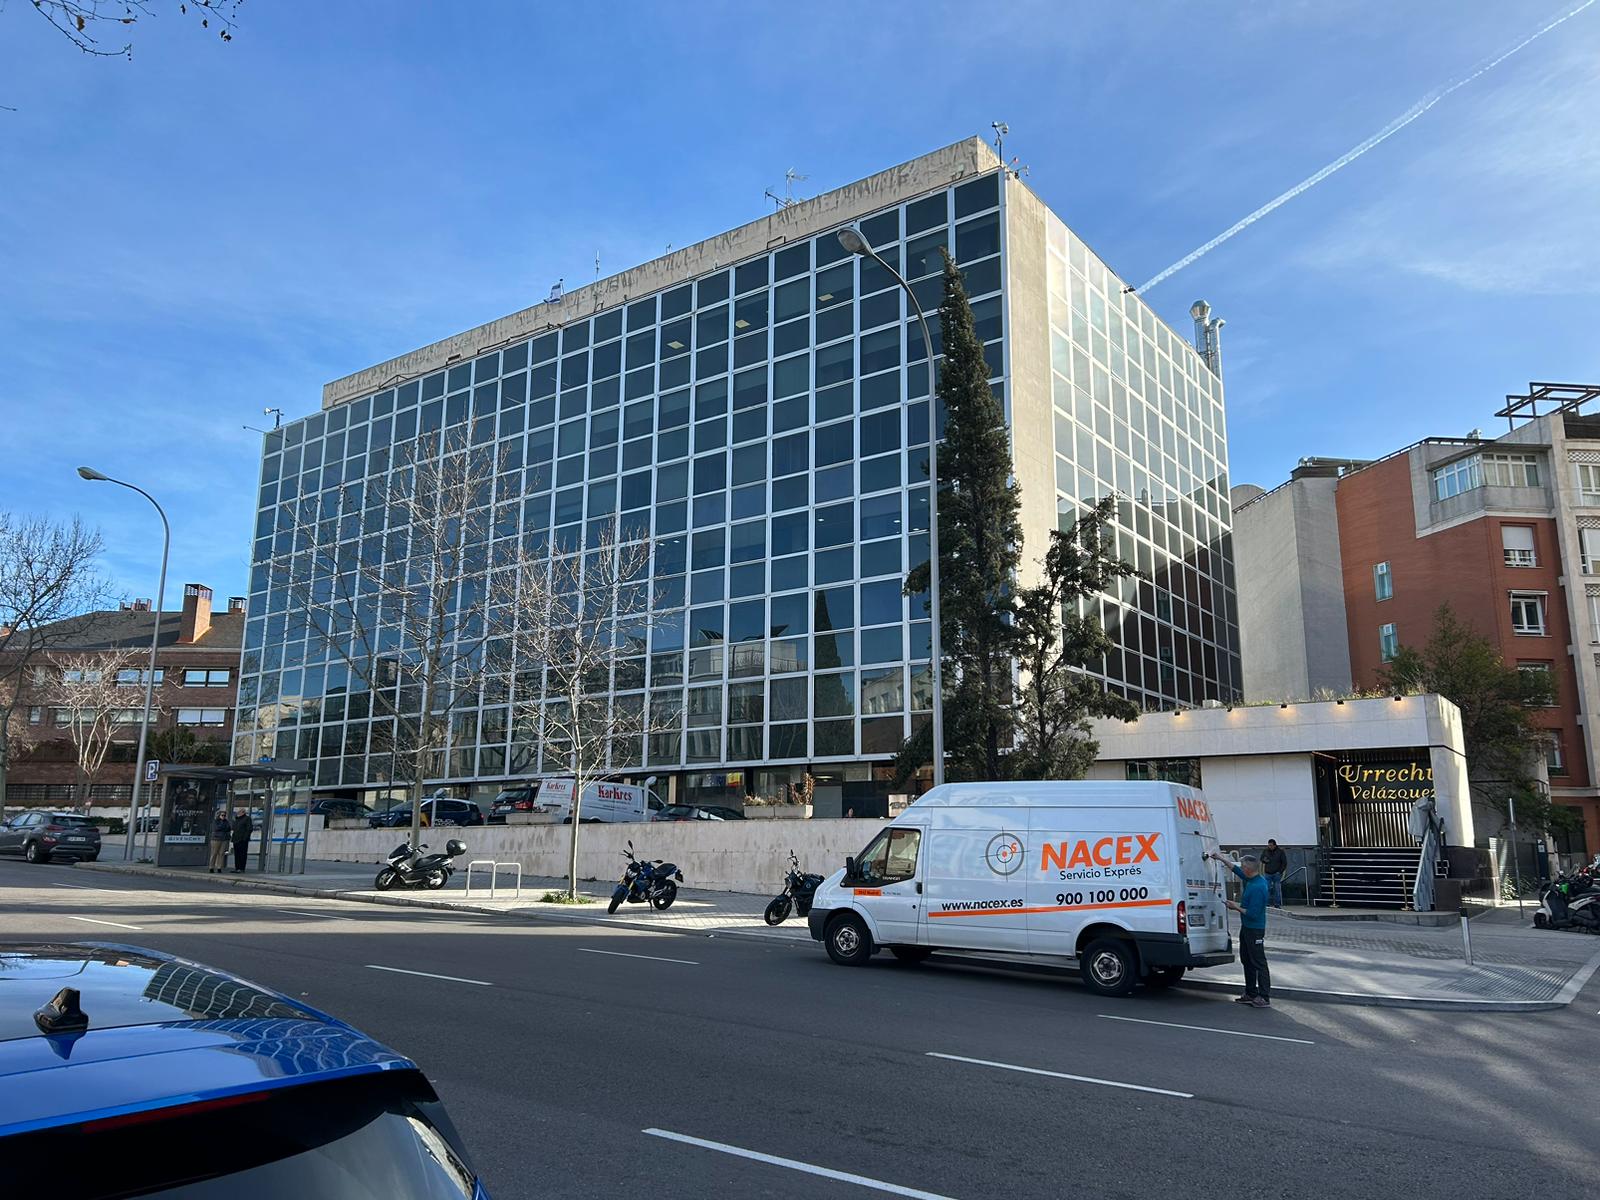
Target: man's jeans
[
  {"x": 1275, "y": 889},
  {"x": 1253, "y": 957}
]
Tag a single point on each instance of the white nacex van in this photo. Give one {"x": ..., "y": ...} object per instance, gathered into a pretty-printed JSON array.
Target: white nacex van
[{"x": 1108, "y": 876}]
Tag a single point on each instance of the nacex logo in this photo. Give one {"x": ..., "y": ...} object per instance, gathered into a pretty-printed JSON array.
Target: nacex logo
[
  {"x": 1104, "y": 852},
  {"x": 1195, "y": 809}
]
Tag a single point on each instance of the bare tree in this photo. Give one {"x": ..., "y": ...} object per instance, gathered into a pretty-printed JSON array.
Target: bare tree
[
  {"x": 46, "y": 575},
  {"x": 581, "y": 638},
  {"x": 393, "y": 577},
  {"x": 85, "y": 22},
  {"x": 85, "y": 688}
]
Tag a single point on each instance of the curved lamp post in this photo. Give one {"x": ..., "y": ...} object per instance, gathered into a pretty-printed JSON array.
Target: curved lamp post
[
  {"x": 155, "y": 641},
  {"x": 853, "y": 241}
]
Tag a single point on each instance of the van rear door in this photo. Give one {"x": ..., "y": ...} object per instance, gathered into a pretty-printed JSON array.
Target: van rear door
[{"x": 1202, "y": 877}]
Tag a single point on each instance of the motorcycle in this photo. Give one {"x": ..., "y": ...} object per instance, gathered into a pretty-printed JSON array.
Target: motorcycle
[
  {"x": 646, "y": 880},
  {"x": 798, "y": 890},
  {"x": 1569, "y": 903},
  {"x": 409, "y": 867}
]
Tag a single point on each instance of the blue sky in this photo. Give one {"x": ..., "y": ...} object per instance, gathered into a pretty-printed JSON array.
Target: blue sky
[{"x": 213, "y": 229}]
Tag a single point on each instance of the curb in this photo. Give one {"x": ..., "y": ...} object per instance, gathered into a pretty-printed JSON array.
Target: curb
[
  {"x": 401, "y": 901},
  {"x": 1365, "y": 1000}
]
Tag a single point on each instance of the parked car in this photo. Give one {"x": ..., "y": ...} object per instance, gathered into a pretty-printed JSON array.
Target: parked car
[
  {"x": 698, "y": 812},
  {"x": 338, "y": 808},
  {"x": 515, "y": 800},
  {"x": 439, "y": 811},
  {"x": 128, "y": 1072},
  {"x": 42, "y": 836}
]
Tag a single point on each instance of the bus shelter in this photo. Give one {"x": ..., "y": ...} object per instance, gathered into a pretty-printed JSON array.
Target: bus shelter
[{"x": 277, "y": 795}]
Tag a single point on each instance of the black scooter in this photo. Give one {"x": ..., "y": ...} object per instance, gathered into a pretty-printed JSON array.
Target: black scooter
[
  {"x": 799, "y": 888},
  {"x": 644, "y": 880},
  {"x": 408, "y": 867}
]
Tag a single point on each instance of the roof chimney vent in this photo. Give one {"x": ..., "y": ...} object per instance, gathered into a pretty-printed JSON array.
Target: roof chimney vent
[
  {"x": 1475, "y": 434},
  {"x": 1208, "y": 335},
  {"x": 236, "y": 604}
]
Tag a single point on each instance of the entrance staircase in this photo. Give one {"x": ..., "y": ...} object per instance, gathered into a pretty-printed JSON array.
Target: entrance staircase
[{"x": 1368, "y": 877}]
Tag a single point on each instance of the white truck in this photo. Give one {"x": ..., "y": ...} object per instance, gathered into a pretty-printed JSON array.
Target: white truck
[
  {"x": 1109, "y": 877},
  {"x": 602, "y": 802}
]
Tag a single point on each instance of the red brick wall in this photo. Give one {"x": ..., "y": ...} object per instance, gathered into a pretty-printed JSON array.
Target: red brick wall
[{"x": 1464, "y": 565}]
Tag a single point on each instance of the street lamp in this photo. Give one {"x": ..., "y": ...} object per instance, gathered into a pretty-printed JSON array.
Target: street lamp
[
  {"x": 155, "y": 641},
  {"x": 853, "y": 242}
]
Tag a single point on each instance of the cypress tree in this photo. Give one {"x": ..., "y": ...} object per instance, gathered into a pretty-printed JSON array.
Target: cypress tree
[{"x": 980, "y": 540}]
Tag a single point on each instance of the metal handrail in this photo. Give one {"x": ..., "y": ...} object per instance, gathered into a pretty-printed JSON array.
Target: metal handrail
[
  {"x": 494, "y": 874},
  {"x": 1301, "y": 870}
]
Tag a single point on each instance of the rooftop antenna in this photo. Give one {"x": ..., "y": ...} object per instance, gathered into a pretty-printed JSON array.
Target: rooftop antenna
[
  {"x": 1000, "y": 130},
  {"x": 276, "y": 414},
  {"x": 597, "y": 264},
  {"x": 790, "y": 177}
]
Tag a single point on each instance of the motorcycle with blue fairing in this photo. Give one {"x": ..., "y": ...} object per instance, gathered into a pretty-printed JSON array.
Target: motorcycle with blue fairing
[{"x": 646, "y": 881}]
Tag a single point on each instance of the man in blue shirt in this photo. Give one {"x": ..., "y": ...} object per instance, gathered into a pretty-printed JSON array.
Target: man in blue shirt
[{"x": 1252, "y": 910}]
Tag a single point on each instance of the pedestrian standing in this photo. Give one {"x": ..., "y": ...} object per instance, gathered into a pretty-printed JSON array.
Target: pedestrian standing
[
  {"x": 221, "y": 830},
  {"x": 1252, "y": 910},
  {"x": 1274, "y": 862},
  {"x": 243, "y": 827}
]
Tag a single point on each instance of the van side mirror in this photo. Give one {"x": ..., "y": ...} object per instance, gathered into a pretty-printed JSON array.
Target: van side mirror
[
  {"x": 850, "y": 868},
  {"x": 630, "y": 843}
]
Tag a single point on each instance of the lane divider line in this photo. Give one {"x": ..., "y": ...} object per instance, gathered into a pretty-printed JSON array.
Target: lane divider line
[
  {"x": 651, "y": 957},
  {"x": 431, "y": 975},
  {"x": 330, "y": 916},
  {"x": 83, "y": 887},
  {"x": 92, "y": 921},
  {"x": 1132, "y": 1087},
  {"x": 1267, "y": 1037},
  {"x": 877, "y": 1185}
]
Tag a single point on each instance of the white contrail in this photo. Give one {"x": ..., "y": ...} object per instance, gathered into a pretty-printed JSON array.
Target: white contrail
[{"x": 1384, "y": 134}]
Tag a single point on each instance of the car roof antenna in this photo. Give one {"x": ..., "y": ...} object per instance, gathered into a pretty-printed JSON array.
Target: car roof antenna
[{"x": 62, "y": 1015}]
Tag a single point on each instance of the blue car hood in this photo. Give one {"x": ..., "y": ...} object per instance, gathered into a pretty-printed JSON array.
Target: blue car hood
[{"x": 48, "y": 1080}]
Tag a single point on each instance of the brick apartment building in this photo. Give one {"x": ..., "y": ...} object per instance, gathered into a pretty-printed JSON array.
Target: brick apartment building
[
  {"x": 197, "y": 680},
  {"x": 1506, "y": 530}
]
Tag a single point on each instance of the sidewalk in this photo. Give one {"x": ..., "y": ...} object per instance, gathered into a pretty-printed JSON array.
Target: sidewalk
[{"x": 1515, "y": 967}]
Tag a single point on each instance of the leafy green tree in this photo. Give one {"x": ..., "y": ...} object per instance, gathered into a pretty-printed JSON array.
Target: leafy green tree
[
  {"x": 1497, "y": 704},
  {"x": 980, "y": 540},
  {"x": 1053, "y": 643}
]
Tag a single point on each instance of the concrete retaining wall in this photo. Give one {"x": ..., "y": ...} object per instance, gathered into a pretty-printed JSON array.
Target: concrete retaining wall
[{"x": 725, "y": 856}]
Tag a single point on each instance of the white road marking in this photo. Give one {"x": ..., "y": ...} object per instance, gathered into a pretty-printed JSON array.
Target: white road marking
[
  {"x": 876, "y": 1185},
  {"x": 1132, "y": 1087},
  {"x": 1267, "y": 1037},
  {"x": 431, "y": 975},
  {"x": 92, "y": 921},
  {"x": 331, "y": 916},
  {"x": 81, "y": 886},
  {"x": 651, "y": 957}
]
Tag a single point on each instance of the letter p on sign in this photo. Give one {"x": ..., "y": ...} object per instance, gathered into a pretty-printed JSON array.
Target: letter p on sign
[{"x": 152, "y": 769}]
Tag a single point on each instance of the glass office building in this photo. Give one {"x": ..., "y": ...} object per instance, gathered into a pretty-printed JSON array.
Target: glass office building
[{"x": 756, "y": 406}]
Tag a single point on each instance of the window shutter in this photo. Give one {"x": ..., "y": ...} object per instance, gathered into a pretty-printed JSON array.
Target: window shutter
[{"x": 1520, "y": 537}]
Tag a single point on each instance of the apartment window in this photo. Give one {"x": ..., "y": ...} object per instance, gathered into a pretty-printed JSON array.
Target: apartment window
[
  {"x": 1382, "y": 581},
  {"x": 202, "y": 716},
  {"x": 1589, "y": 540},
  {"x": 127, "y": 716},
  {"x": 1588, "y": 479},
  {"x": 1527, "y": 613},
  {"x": 1594, "y": 619},
  {"x": 36, "y": 713},
  {"x": 1388, "y": 642},
  {"x": 1511, "y": 470},
  {"x": 136, "y": 678},
  {"x": 205, "y": 678},
  {"x": 1542, "y": 670},
  {"x": 1555, "y": 759},
  {"x": 1517, "y": 542},
  {"x": 1460, "y": 476}
]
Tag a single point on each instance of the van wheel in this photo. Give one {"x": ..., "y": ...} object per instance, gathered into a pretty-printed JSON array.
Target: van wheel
[
  {"x": 911, "y": 955},
  {"x": 1163, "y": 977},
  {"x": 1108, "y": 967},
  {"x": 849, "y": 944}
]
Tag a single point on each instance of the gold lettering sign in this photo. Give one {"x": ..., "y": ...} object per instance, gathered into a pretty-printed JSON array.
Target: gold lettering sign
[{"x": 1408, "y": 780}]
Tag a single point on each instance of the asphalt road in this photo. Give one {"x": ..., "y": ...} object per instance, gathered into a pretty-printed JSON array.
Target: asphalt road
[{"x": 558, "y": 1046}]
